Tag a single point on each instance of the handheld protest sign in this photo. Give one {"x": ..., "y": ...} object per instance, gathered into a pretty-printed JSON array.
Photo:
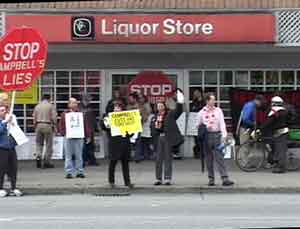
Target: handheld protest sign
[{"x": 23, "y": 58}]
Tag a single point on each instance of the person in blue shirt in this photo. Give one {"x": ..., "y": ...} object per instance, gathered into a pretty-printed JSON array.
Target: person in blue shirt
[
  {"x": 249, "y": 112},
  {"x": 8, "y": 155},
  {"x": 248, "y": 117}
]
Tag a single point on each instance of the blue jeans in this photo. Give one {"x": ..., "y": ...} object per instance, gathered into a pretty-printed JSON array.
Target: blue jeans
[{"x": 73, "y": 147}]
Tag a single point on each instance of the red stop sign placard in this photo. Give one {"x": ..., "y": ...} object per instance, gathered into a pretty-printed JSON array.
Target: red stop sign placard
[
  {"x": 23, "y": 58},
  {"x": 154, "y": 84}
]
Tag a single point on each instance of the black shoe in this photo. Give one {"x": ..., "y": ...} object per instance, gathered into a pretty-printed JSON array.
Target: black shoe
[
  {"x": 158, "y": 183},
  {"x": 278, "y": 170},
  {"x": 228, "y": 183},
  {"x": 112, "y": 185},
  {"x": 130, "y": 185},
  {"x": 38, "y": 163},
  {"x": 80, "y": 175},
  {"x": 211, "y": 183},
  {"x": 48, "y": 166},
  {"x": 168, "y": 183},
  {"x": 93, "y": 163},
  {"x": 69, "y": 176}
]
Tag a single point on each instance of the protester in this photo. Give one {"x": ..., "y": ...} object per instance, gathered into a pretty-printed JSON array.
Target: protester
[
  {"x": 143, "y": 139},
  {"x": 196, "y": 106},
  {"x": 116, "y": 97},
  {"x": 119, "y": 149},
  {"x": 277, "y": 122},
  {"x": 44, "y": 121},
  {"x": 90, "y": 124},
  {"x": 133, "y": 99},
  {"x": 8, "y": 155},
  {"x": 213, "y": 119},
  {"x": 72, "y": 146},
  {"x": 169, "y": 137}
]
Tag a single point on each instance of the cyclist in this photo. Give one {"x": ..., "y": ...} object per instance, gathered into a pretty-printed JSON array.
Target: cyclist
[
  {"x": 248, "y": 117},
  {"x": 277, "y": 122}
]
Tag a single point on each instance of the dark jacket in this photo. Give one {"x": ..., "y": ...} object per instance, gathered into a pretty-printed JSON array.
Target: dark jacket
[
  {"x": 119, "y": 147},
  {"x": 276, "y": 121},
  {"x": 170, "y": 127},
  {"x": 6, "y": 141}
]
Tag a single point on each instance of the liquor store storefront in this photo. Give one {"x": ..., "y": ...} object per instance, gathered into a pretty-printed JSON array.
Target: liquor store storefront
[{"x": 97, "y": 53}]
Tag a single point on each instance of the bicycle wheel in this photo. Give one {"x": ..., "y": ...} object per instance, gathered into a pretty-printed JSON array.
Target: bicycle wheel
[
  {"x": 293, "y": 160},
  {"x": 250, "y": 156}
]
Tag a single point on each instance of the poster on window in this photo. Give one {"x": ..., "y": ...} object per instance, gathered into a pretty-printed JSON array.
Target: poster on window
[
  {"x": 192, "y": 127},
  {"x": 74, "y": 125}
]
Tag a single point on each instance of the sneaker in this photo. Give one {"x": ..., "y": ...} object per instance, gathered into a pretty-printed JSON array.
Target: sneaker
[
  {"x": 158, "y": 183},
  {"x": 69, "y": 176},
  {"x": 211, "y": 183},
  {"x": 16, "y": 192},
  {"x": 80, "y": 175},
  {"x": 168, "y": 182},
  {"x": 278, "y": 170},
  {"x": 130, "y": 185},
  {"x": 228, "y": 183},
  {"x": 3, "y": 193}
]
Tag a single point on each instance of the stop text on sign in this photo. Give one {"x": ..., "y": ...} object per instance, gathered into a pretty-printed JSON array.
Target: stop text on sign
[
  {"x": 153, "y": 90},
  {"x": 23, "y": 58},
  {"x": 168, "y": 26}
]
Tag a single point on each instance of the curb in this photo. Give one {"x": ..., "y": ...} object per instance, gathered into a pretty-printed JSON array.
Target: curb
[{"x": 105, "y": 191}]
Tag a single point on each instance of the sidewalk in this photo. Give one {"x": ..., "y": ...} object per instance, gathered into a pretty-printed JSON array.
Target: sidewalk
[{"x": 188, "y": 178}]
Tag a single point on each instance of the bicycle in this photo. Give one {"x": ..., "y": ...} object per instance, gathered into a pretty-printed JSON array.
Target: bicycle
[{"x": 252, "y": 155}]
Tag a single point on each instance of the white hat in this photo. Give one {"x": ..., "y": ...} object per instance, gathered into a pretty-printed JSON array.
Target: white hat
[{"x": 277, "y": 101}]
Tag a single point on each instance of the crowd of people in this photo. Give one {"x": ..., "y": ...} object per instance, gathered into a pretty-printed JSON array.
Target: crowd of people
[{"x": 158, "y": 141}]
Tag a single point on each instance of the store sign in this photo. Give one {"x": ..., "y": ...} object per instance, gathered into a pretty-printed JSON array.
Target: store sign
[
  {"x": 83, "y": 28},
  {"x": 153, "y": 28},
  {"x": 155, "y": 85},
  {"x": 22, "y": 59}
]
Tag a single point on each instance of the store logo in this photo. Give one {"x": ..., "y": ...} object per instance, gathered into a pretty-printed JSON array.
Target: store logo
[{"x": 83, "y": 28}]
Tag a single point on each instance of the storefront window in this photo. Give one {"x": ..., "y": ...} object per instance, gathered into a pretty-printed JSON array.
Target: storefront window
[
  {"x": 210, "y": 77},
  {"x": 196, "y": 78},
  {"x": 272, "y": 78},
  {"x": 226, "y": 78},
  {"x": 77, "y": 78},
  {"x": 257, "y": 77},
  {"x": 241, "y": 78},
  {"x": 287, "y": 78},
  {"x": 62, "y": 78}
]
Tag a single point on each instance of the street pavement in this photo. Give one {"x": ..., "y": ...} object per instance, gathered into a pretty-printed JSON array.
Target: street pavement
[
  {"x": 151, "y": 211},
  {"x": 188, "y": 178}
]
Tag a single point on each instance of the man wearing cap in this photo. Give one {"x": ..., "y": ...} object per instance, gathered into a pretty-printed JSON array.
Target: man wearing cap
[{"x": 277, "y": 122}]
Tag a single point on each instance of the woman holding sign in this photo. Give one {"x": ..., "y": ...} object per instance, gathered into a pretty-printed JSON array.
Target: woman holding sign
[
  {"x": 169, "y": 137},
  {"x": 119, "y": 149},
  {"x": 8, "y": 155}
]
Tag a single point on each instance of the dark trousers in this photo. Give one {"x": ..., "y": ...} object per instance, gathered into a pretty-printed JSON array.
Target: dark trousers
[
  {"x": 280, "y": 151},
  {"x": 164, "y": 159},
  {"x": 89, "y": 153},
  {"x": 9, "y": 166},
  {"x": 125, "y": 169},
  {"x": 143, "y": 150},
  {"x": 212, "y": 155}
]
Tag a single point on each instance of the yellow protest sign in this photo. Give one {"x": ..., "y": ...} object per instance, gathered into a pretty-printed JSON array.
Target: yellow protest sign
[
  {"x": 29, "y": 96},
  {"x": 125, "y": 122}
]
